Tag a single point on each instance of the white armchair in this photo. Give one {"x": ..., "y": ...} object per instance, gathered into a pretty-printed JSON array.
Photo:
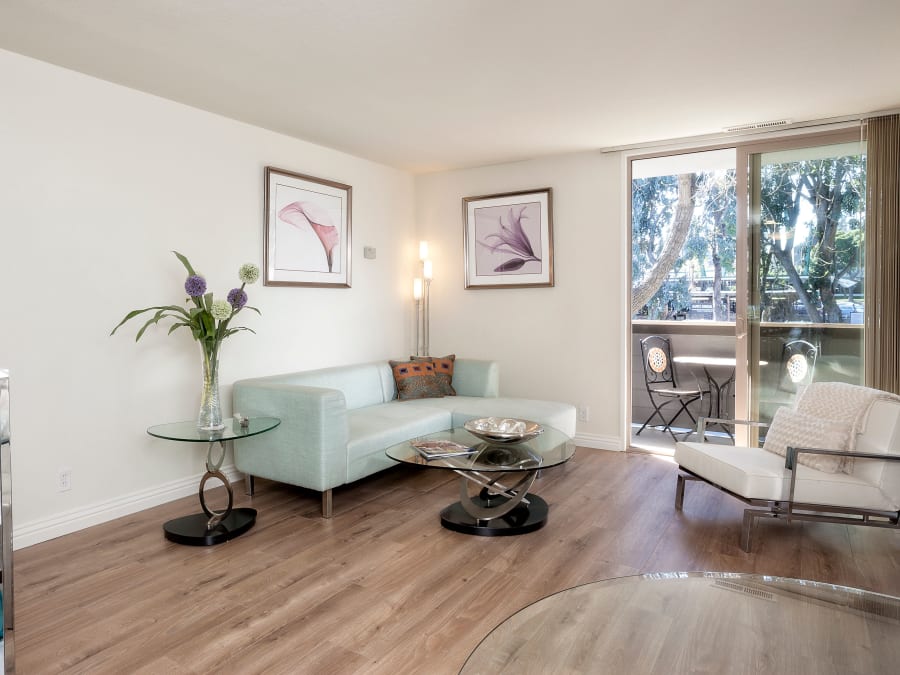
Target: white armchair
[{"x": 780, "y": 487}]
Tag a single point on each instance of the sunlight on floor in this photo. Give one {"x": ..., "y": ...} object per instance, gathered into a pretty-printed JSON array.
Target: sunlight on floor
[{"x": 657, "y": 441}]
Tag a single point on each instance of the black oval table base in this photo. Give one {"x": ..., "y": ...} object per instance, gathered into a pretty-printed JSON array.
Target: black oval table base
[
  {"x": 520, "y": 520},
  {"x": 191, "y": 530}
]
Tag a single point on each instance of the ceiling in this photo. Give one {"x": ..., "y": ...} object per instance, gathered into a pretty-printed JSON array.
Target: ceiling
[{"x": 425, "y": 85}]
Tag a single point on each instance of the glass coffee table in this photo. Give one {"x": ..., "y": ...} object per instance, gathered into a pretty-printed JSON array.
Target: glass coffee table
[
  {"x": 500, "y": 476},
  {"x": 697, "y": 622},
  {"x": 212, "y": 527}
]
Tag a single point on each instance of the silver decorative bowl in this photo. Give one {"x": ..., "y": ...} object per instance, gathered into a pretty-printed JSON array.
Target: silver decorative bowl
[{"x": 503, "y": 429}]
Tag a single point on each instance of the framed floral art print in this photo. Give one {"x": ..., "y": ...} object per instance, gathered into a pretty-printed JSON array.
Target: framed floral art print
[
  {"x": 307, "y": 230},
  {"x": 509, "y": 239}
]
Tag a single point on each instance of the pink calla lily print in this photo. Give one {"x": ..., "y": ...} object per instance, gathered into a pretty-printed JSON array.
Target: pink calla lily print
[
  {"x": 302, "y": 214},
  {"x": 308, "y": 238}
]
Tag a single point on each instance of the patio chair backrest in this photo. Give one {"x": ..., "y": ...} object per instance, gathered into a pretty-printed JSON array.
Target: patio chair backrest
[
  {"x": 656, "y": 352},
  {"x": 798, "y": 363}
]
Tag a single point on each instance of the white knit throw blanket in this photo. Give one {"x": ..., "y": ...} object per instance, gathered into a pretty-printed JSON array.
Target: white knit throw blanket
[
  {"x": 840, "y": 403},
  {"x": 827, "y": 415}
]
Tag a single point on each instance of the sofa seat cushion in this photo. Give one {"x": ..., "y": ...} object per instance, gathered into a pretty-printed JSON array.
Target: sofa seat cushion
[
  {"x": 375, "y": 428},
  {"x": 754, "y": 473}
]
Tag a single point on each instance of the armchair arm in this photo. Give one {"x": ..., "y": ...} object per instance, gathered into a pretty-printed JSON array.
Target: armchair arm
[
  {"x": 793, "y": 454},
  {"x": 702, "y": 421}
]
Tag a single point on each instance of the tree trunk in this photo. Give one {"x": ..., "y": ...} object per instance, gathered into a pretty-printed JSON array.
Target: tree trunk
[{"x": 684, "y": 212}]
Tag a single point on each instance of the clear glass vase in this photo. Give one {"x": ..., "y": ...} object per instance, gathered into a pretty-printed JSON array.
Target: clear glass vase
[{"x": 210, "y": 416}]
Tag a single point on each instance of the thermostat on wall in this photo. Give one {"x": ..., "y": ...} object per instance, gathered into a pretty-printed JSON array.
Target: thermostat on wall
[{"x": 369, "y": 252}]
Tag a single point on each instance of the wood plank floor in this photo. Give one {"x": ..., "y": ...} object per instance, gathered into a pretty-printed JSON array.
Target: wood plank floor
[{"x": 381, "y": 587}]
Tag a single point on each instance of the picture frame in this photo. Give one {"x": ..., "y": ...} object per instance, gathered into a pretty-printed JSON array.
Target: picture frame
[
  {"x": 307, "y": 230},
  {"x": 509, "y": 239}
]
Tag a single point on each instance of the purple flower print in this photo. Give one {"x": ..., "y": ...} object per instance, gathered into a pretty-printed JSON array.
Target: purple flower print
[{"x": 513, "y": 240}]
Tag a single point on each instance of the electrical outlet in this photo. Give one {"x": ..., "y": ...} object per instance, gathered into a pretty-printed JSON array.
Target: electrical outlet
[
  {"x": 584, "y": 413},
  {"x": 64, "y": 479}
]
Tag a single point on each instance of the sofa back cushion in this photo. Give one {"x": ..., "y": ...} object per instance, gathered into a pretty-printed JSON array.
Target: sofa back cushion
[
  {"x": 362, "y": 384},
  {"x": 473, "y": 377}
]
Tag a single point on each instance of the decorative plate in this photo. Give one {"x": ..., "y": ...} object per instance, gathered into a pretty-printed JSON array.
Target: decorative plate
[{"x": 503, "y": 429}]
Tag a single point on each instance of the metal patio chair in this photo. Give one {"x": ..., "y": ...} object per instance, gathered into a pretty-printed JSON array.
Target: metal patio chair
[
  {"x": 798, "y": 364},
  {"x": 662, "y": 389}
]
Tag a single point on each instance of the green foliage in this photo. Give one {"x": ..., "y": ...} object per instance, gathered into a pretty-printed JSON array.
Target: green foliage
[
  {"x": 653, "y": 202},
  {"x": 811, "y": 235},
  {"x": 710, "y": 245},
  {"x": 673, "y": 297},
  {"x": 197, "y": 317}
]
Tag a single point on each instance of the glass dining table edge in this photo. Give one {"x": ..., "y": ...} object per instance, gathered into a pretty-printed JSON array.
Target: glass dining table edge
[{"x": 771, "y": 582}]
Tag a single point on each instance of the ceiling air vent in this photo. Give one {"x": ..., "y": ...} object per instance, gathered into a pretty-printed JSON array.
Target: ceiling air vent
[{"x": 758, "y": 125}]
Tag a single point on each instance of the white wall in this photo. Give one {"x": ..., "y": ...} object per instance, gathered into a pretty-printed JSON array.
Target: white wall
[
  {"x": 98, "y": 183},
  {"x": 566, "y": 342}
]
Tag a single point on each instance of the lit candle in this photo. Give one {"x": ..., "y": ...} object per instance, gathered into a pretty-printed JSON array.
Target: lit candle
[
  {"x": 423, "y": 250},
  {"x": 417, "y": 289},
  {"x": 426, "y": 270}
]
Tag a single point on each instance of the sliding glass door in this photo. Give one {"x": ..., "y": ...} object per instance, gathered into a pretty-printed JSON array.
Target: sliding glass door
[
  {"x": 750, "y": 261},
  {"x": 804, "y": 238}
]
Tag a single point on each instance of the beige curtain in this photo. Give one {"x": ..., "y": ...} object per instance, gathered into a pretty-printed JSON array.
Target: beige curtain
[{"x": 883, "y": 253}]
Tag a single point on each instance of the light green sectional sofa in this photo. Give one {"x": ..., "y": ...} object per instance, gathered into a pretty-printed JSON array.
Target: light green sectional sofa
[{"x": 336, "y": 423}]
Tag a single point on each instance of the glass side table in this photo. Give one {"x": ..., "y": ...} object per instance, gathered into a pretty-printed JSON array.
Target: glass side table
[{"x": 212, "y": 527}]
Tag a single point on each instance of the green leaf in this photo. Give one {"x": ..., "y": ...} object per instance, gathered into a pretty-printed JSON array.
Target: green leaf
[
  {"x": 153, "y": 321},
  {"x": 207, "y": 324},
  {"x": 174, "y": 326},
  {"x": 232, "y": 331},
  {"x": 184, "y": 261},
  {"x": 132, "y": 314},
  {"x": 253, "y": 308}
]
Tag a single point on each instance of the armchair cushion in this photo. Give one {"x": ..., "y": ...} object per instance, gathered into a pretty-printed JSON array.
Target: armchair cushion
[{"x": 753, "y": 474}]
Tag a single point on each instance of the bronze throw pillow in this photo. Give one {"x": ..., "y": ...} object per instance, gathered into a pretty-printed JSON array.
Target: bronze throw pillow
[
  {"x": 443, "y": 370},
  {"x": 415, "y": 379}
]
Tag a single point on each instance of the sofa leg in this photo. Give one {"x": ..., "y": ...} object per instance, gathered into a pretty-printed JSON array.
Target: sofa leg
[
  {"x": 326, "y": 503},
  {"x": 249, "y": 486}
]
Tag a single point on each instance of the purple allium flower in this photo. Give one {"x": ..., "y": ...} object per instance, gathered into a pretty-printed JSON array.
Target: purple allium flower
[
  {"x": 195, "y": 286},
  {"x": 237, "y": 298}
]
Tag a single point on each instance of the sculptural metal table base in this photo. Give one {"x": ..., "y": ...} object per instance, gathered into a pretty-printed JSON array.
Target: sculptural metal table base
[
  {"x": 193, "y": 531},
  {"x": 212, "y": 527},
  {"x": 496, "y": 510}
]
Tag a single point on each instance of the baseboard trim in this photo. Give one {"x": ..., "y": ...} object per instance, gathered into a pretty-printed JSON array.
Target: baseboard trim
[
  {"x": 599, "y": 442},
  {"x": 44, "y": 529}
]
